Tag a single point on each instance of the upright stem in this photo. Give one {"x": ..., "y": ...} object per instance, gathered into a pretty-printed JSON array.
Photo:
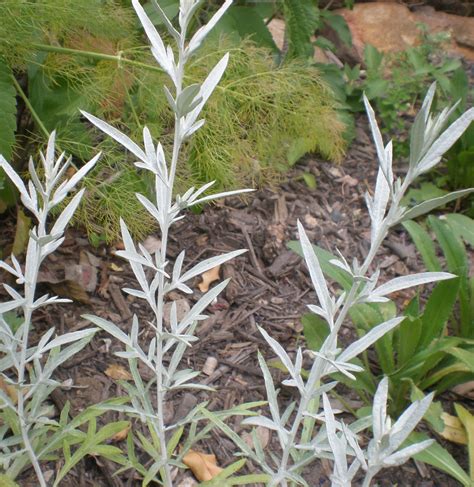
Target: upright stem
[
  {"x": 314, "y": 378},
  {"x": 160, "y": 393},
  {"x": 30, "y": 288}
]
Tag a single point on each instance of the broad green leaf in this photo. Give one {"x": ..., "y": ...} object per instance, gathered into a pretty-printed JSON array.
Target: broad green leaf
[
  {"x": 424, "y": 244},
  {"x": 407, "y": 338},
  {"x": 315, "y": 330},
  {"x": 440, "y": 458},
  {"x": 462, "y": 225},
  {"x": 438, "y": 309},
  {"x": 457, "y": 262}
]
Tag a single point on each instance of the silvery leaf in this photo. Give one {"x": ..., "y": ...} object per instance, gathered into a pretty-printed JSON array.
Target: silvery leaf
[
  {"x": 404, "y": 282},
  {"x": 66, "y": 215},
  {"x": 279, "y": 351},
  {"x": 379, "y": 145},
  {"x": 405, "y": 454},
  {"x": 407, "y": 422},
  {"x": 116, "y": 135},
  {"x": 379, "y": 410},
  {"x": 195, "y": 312},
  {"x": 379, "y": 203},
  {"x": 261, "y": 421},
  {"x": 444, "y": 142},
  {"x": 207, "y": 264},
  {"x": 202, "y": 32},
  {"x": 16, "y": 180},
  {"x": 69, "y": 337},
  {"x": 109, "y": 327},
  {"x": 207, "y": 88},
  {"x": 173, "y": 32},
  {"x": 316, "y": 273},
  {"x": 367, "y": 340},
  {"x": 428, "y": 205},
  {"x": 188, "y": 99},
  {"x": 225, "y": 194},
  {"x": 78, "y": 175},
  {"x": 158, "y": 48},
  {"x": 417, "y": 133}
]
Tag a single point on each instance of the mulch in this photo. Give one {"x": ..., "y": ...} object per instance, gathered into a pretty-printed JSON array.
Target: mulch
[{"x": 270, "y": 287}]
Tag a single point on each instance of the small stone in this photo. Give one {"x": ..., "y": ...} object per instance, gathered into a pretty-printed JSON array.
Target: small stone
[
  {"x": 209, "y": 366},
  {"x": 310, "y": 221}
]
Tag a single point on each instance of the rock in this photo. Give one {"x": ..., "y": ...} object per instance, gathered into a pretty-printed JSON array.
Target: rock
[{"x": 392, "y": 27}]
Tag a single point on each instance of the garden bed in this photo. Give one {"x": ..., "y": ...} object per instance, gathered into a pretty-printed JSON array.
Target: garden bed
[{"x": 269, "y": 287}]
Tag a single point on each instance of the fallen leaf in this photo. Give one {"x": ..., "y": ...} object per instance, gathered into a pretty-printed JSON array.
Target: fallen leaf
[
  {"x": 121, "y": 435},
  {"x": 117, "y": 372},
  {"x": 466, "y": 389},
  {"x": 22, "y": 233},
  {"x": 203, "y": 466},
  {"x": 454, "y": 430},
  {"x": 208, "y": 278},
  {"x": 116, "y": 268},
  {"x": 9, "y": 389}
]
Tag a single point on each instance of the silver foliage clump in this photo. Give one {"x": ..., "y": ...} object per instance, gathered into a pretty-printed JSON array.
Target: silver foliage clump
[
  {"x": 27, "y": 432},
  {"x": 306, "y": 429},
  {"x": 155, "y": 275}
]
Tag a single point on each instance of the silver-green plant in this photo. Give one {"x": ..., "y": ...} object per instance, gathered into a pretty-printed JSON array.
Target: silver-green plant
[
  {"x": 164, "y": 353},
  {"x": 28, "y": 432},
  {"x": 301, "y": 440}
]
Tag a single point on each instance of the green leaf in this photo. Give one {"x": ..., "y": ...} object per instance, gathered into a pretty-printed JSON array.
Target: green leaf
[
  {"x": 462, "y": 226},
  {"x": 464, "y": 356},
  {"x": 407, "y": 338},
  {"x": 424, "y": 244},
  {"x": 438, "y": 309},
  {"x": 7, "y": 131},
  {"x": 457, "y": 262},
  {"x": 339, "y": 24},
  {"x": 7, "y": 481},
  {"x": 242, "y": 22},
  {"x": 341, "y": 277},
  {"x": 315, "y": 330},
  {"x": 310, "y": 180},
  {"x": 301, "y": 19},
  {"x": 440, "y": 458}
]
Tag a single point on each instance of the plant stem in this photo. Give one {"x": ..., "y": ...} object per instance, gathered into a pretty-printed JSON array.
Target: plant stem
[
  {"x": 314, "y": 377},
  {"x": 96, "y": 55},
  {"x": 28, "y": 104},
  {"x": 30, "y": 288}
]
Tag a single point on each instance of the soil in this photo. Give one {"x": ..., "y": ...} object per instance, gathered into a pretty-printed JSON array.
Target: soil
[{"x": 270, "y": 287}]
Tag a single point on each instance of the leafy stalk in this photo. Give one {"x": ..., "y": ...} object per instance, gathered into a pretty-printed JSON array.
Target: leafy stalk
[
  {"x": 299, "y": 442},
  {"x": 21, "y": 367},
  {"x": 166, "y": 350}
]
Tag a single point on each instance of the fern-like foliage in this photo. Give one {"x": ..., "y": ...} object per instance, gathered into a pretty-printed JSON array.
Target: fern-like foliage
[
  {"x": 7, "y": 129},
  {"x": 301, "y": 21}
]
